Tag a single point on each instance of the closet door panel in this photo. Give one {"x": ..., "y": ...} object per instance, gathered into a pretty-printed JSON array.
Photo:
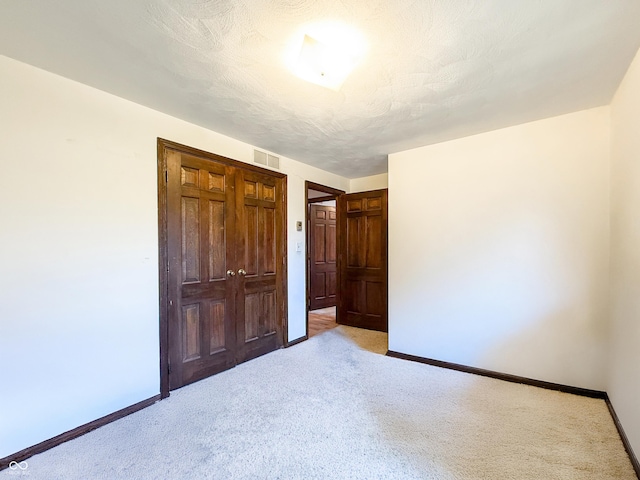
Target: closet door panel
[
  {"x": 260, "y": 261},
  {"x": 201, "y": 237}
]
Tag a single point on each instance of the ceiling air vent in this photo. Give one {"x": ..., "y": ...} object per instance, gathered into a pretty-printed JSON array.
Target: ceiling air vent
[{"x": 266, "y": 159}]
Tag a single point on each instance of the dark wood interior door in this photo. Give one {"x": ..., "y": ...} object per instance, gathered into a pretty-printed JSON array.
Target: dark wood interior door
[
  {"x": 322, "y": 256},
  {"x": 201, "y": 220},
  {"x": 260, "y": 256},
  {"x": 225, "y": 265},
  {"x": 363, "y": 260}
]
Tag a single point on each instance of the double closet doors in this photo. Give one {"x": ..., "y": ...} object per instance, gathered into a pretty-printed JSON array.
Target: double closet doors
[{"x": 225, "y": 257}]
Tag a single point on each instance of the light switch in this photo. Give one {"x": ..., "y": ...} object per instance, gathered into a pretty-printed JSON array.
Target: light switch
[
  {"x": 299, "y": 226},
  {"x": 298, "y": 246}
]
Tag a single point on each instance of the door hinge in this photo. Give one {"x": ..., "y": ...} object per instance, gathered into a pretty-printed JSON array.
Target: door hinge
[
  {"x": 169, "y": 368},
  {"x": 166, "y": 176}
]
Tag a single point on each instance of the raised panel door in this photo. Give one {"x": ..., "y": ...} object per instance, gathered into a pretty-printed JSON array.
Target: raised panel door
[
  {"x": 322, "y": 256},
  {"x": 363, "y": 260},
  {"x": 260, "y": 308},
  {"x": 201, "y": 220}
]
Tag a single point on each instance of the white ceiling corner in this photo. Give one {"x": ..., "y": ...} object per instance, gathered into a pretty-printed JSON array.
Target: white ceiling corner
[{"x": 434, "y": 70}]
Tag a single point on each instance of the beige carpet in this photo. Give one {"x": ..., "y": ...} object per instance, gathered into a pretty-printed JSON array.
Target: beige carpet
[{"x": 335, "y": 408}]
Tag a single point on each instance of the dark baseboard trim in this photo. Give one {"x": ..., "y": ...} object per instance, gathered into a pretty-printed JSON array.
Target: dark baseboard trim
[
  {"x": 585, "y": 392},
  {"x": 75, "y": 433},
  {"x": 623, "y": 437},
  {"x": 297, "y": 341}
]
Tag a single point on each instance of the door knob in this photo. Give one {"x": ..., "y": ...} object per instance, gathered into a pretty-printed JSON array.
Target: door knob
[
  {"x": 231, "y": 273},
  {"x": 242, "y": 272}
]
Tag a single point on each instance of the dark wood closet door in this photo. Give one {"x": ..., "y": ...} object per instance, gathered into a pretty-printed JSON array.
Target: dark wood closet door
[
  {"x": 222, "y": 263},
  {"x": 322, "y": 256},
  {"x": 363, "y": 260},
  {"x": 200, "y": 226},
  {"x": 260, "y": 254}
]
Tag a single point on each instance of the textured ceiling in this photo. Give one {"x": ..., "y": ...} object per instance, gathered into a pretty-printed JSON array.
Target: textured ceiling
[{"x": 434, "y": 70}]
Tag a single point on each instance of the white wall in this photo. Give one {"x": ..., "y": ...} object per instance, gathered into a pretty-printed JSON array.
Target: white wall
[
  {"x": 79, "y": 256},
  {"x": 297, "y": 174},
  {"x": 624, "y": 358},
  {"x": 373, "y": 182},
  {"x": 498, "y": 250}
]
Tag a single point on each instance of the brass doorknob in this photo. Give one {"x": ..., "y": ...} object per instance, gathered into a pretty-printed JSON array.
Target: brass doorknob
[
  {"x": 231, "y": 273},
  {"x": 242, "y": 272}
]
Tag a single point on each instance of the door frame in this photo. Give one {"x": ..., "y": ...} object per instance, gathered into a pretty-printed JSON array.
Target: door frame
[
  {"x": 332, "y": 194},
  {"x": 163, "y": 256}
]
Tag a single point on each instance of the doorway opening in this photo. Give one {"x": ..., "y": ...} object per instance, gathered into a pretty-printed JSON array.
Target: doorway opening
[
  {"x": 322, "y": 254},
  {"x": 346, "y": 259}
]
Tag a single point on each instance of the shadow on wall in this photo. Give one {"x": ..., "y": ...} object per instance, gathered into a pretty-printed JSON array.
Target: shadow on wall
[
  {"x": 501, "y": 261},
  {"x": 534, "y": 353},
  {"x": 519, "y": 292}
]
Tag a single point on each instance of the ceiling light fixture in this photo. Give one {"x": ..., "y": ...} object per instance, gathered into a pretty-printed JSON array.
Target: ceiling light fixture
[{"x": 329, "y": 53}]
